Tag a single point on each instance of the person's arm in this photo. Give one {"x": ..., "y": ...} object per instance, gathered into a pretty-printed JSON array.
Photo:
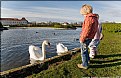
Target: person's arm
[
  {"x": 100, "y": 27},
  {"x": 101, "y": 36}
]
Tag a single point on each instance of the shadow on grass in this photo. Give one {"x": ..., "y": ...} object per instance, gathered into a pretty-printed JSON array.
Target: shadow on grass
[
  {"x": 111, "y": 63},
  {"x": 106, "y": 56},
  {"x": 105, "y": 65},
  {"x": 105, "y": 61}
]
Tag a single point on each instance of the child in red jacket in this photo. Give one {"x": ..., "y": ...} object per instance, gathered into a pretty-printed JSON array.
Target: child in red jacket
[{"x": 89, "y": 28}]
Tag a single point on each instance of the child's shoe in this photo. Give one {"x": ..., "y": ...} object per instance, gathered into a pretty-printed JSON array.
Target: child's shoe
[{"x": 80, "y": 66}]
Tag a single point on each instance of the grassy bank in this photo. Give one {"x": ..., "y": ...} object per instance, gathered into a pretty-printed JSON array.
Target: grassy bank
[{"x": 106, "y": 64}]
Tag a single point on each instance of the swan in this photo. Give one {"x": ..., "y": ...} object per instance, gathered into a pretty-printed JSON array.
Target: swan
[
  {"x": 37, "y": 53},
  {"x": 61, "y": 48}
]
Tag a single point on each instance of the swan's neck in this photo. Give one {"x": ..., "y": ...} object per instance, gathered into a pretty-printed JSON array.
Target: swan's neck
[{"x": 43, "y": 50}]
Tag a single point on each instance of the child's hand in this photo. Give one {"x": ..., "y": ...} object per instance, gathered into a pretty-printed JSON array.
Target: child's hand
[{"x": 101, "y": 36}]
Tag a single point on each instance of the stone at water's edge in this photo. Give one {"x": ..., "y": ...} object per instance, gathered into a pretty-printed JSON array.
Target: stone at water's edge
[{"x": 27, "y": 70}]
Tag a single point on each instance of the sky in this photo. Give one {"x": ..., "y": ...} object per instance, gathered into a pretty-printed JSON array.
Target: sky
[{"x": 60, "y": 11}]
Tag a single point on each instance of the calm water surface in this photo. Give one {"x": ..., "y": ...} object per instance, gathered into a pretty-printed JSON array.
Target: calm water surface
[{"x": 15, "y": 44}]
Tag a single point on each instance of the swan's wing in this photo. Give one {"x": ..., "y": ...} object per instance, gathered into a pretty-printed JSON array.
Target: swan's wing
[
  {"x": 38, "y": 52},
  {"x": 60, "y": 47},
  {"x": 66, "y": 49},
  {"x": 35, "y": 52}
]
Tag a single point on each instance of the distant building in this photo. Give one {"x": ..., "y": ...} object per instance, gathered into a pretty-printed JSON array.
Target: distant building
[
  {"x": 65, "y": 23},
  {"x": 13, "y": 21}
]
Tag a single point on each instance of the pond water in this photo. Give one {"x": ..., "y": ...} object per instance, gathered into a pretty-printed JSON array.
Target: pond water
[{"x": 15, "y": 43}]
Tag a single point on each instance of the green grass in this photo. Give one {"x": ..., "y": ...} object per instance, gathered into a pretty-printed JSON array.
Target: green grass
[{"x": 106, "y": 64}]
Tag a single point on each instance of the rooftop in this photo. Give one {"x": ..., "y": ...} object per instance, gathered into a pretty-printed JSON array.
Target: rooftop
[{"x": 15, "y": 19}]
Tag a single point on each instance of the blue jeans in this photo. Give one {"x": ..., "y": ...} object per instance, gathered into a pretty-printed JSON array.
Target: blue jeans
[{"x": 84, "y": 52}]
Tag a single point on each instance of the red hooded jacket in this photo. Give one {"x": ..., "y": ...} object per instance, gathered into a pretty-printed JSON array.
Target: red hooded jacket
[{"x": 89, "y": 27}]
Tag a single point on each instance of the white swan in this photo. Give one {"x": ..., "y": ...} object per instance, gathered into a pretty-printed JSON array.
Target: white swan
[
  {"x": 61, "y": 48},
  {"x": 37, "y": 53}
]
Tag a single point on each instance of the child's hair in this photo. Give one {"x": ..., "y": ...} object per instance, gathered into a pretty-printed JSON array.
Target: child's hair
[{"x": 86, "y": 9}]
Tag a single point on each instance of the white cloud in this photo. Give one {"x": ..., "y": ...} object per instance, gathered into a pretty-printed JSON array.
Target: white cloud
[
  {"x": 108, "y": 11},
  {"x": 42, "y": 12}
]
